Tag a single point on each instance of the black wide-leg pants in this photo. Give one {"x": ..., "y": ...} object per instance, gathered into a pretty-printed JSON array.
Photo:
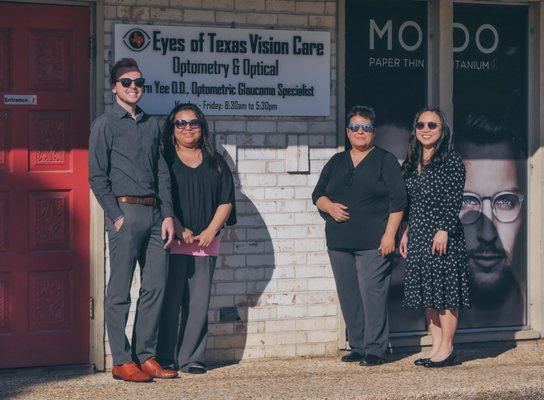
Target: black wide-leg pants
[{"x": 184, "y": 322}]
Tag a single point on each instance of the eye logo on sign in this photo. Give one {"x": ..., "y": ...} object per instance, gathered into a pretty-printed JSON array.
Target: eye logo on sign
[{"x": 136, "y": 39}]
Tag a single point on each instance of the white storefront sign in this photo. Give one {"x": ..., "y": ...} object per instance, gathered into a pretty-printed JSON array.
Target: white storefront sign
[{"x": 230, "y": 71}]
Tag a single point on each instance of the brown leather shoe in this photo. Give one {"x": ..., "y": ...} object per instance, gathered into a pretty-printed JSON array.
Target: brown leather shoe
[
  {"x": 151, "y": 367},
  {"x": 130, "y": 372}
]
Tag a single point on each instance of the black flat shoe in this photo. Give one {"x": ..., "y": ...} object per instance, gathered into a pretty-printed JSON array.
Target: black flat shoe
[
  {"x": 196, "y": 369},
  {"x": 448, "y": 361},
  {"x": 421, "y": 361},
  {"x": 371, "y": 360},
  {"x": 352, "y": 357}
]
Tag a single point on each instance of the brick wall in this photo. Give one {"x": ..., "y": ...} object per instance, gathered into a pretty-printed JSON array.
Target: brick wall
[{"x": 273, "y": 293}]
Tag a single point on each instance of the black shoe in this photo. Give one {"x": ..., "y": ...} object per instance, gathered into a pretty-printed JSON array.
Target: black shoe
[
  {"x": 421, "y": 361},
  {"x": 448, "y": 361},
  {"x": 352, "y": 357},
  {"x": 371, "y": 360},
  {"x": 194, "y": 368},
  {"x": 197, "y": 369}
]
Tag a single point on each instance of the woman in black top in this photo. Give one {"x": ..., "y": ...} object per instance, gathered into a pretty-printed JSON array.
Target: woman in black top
[
  {"x": 203, "y": 200},
  {"x": 434, "y": 243},
  {"x": 361, "y": 195}
]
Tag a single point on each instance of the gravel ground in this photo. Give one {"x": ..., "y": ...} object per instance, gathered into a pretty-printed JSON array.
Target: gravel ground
[{"x": 483, "y": 374}]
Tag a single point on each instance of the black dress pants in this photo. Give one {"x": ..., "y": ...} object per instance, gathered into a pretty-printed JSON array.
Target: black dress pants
[
  {"x": 362, "y": 281},
  {"x": 138, "y": 240}
]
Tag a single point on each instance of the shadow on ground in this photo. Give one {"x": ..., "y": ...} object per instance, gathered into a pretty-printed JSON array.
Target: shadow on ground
[{"x": 14, "y": 382}]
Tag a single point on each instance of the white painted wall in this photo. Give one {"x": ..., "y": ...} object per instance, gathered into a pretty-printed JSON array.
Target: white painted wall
[{"x": 274, "y": 267}]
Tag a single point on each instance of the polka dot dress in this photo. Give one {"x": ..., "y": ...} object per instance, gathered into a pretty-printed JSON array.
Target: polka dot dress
[{"x": 437, "y": 281}]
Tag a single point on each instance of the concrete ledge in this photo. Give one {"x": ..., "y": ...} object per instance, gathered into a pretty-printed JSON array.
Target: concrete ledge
[
  {"x": 48, "y": 371},
  {"x": 422, "y": 339}
]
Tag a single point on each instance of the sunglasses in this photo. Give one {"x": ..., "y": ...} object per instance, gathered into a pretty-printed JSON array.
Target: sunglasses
[
  {"x": 182, "y": 124},
  {"x": 365, "y": 127},
  {"x": 421, "y": 125},
  {"x": 127, "y": 82}
]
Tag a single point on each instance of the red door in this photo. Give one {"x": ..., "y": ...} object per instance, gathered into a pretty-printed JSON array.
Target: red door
[{"x": 44, "y": 195}]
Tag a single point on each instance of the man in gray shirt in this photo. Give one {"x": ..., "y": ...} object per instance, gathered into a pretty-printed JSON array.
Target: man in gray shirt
[{"x": 131, "y": 181}]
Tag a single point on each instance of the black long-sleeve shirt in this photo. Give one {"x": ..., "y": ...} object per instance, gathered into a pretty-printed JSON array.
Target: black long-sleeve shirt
[
  {"x": 125, "y": 158},
  {"x": 198, "y": 192},
  {"x": 371, "y": 191}
]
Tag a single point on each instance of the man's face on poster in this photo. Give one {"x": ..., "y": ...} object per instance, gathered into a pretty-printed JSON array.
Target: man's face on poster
[{"x": 491, "y": 213}]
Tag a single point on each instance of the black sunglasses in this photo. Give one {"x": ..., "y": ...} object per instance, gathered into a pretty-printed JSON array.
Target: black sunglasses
[
  {"x": 421, "y": 125},
  {"x": 127, "y": 82},
  {"x": 182, "y": 124},
  {"x": 364, "y": 127}
]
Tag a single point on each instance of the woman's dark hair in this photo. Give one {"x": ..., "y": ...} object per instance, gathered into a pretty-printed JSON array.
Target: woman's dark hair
[
  {"x": 361, "y": 111},
  {"x": 443, "y": 146},
  {"x": 205, "y": 143}
]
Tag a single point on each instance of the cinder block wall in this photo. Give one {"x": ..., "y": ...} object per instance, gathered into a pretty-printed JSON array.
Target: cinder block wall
[{"x": 273, "y": 293}]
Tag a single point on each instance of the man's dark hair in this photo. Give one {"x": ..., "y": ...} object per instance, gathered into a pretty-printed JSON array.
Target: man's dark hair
[
  {"x": 483, "y": 129},
  {"x": 362, "y": 111},
  {"x": 122, "y": 66}
]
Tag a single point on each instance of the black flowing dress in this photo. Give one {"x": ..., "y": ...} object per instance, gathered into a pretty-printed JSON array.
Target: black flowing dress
[{"x": 437, "y": 281}]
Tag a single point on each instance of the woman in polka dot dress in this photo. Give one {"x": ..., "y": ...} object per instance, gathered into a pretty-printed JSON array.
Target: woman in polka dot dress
[{"x": 434, "y": 243}]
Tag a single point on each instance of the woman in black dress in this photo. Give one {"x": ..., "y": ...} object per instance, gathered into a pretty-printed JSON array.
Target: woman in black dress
[
  {"x": 203, "y": 200},
  {"x": 361, "y": 195},
  {"x": 434, "y": 243}
]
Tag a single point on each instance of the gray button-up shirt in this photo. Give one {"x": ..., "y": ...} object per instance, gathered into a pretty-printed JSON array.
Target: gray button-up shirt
[{"x": 125, "y": 158}]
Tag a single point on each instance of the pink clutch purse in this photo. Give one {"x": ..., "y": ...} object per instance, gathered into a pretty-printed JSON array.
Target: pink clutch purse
[{"x": 193, "y": 249}]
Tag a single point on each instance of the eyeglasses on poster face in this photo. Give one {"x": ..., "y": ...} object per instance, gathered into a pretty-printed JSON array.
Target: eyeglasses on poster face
[{"x": 505, "y": 206}]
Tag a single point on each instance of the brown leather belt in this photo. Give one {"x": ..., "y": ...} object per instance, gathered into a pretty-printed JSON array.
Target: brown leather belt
[{"x": 143, "y": 201}]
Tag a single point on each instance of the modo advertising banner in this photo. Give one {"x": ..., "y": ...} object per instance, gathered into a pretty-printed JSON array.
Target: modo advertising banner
[
  {"x": 386, "y": 68},
  {"x": 230, "y": 71},
  {"x": 490, "y": 125},
  {"x": 386, "y": 51}
]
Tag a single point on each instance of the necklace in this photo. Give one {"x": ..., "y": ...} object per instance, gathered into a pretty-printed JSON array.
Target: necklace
[
  {"x": 359, "y": 157},
  {"x": 186, "y": 158}
]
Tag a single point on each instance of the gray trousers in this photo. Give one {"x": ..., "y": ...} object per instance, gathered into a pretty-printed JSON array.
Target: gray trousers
[
  {"x": 362, "y": 280},
  {"x": 184, "y": 322},
  {"x": 138, "y": 240}
]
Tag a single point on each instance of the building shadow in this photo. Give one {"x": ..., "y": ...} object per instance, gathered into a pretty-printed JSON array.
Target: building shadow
[
  {"x": 14, "y": 382},
  {"x": 480, "y": 351},
  {"x": 242, "y": 276}
]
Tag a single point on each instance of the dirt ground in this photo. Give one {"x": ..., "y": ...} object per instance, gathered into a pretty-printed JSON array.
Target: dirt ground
[{"x": 489, "y": 373}]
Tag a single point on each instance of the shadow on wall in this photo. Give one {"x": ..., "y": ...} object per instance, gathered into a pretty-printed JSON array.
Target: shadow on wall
[{"x": 243, "y": 271}]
